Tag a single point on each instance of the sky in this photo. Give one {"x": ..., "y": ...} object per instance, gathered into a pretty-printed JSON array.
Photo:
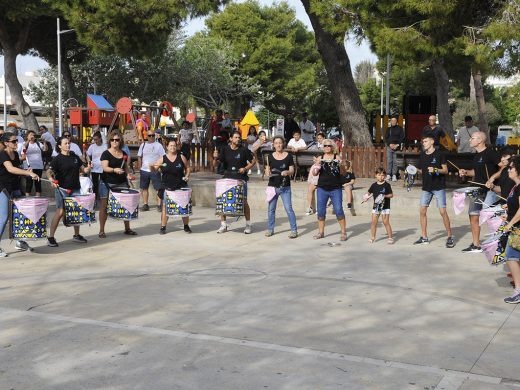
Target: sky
[{"x": 357, "y": 53}]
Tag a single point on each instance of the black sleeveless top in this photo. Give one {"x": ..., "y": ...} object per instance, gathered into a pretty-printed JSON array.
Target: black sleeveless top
[{"x": 173, "y": 173}]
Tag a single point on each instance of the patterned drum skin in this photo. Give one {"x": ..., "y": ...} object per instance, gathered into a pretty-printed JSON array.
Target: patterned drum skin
[
  {"x": 117, "y": 211},
  {"x": 231, "y": 202},
  {"x": 173, "y": 209},
  {"x": 75, "y": 214},
  {"x": 24, "y": 229}
]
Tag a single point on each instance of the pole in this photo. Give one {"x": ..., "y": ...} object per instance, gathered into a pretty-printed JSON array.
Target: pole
[
  {"x": 5, "y": 104},
  {"x": 388, "y": 84},
  {"x": 382, "y": 103},
  {"x": 60, "y": 119},
  {"x": 268, "y": 125}
]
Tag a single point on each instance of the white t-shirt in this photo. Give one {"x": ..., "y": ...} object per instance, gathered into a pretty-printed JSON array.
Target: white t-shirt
[
  {"x": 94, "y": 153},
  {"x": 34, "y": 156},
  {"x": 296, "y": 144},
  {"x": 149, "y": 153},
  {"x": 49, "y": 138}
]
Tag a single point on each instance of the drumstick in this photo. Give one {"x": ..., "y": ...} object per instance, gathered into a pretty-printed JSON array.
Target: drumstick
[
  {"x": 487, "y": 173},
  {"x": 481, "y": 184},
  {"x": 453, "y": 165},
  {"x": 68, "y": 191},
  {"x": 125, "y": 157},
  {"x": 364, "y": 200}
]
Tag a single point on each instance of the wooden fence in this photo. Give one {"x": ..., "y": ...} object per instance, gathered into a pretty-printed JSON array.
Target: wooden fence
[{"x": 365, "y": 160}]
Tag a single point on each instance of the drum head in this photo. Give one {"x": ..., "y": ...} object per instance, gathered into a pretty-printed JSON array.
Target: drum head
[
  {"x": 466, "y": 190},
  {"x": 411, "y": 170}
]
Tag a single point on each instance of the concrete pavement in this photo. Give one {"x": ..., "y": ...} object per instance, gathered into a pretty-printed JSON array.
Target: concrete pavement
[{"x": 236, "y": 311}]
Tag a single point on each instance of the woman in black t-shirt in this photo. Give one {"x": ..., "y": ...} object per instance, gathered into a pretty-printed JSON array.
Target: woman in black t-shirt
[
  {"x": 330, "y": 187},
  {"x": 115, "y": 172},
  {"x": 64, "y": 171},
  {"x": 175, "y": 173},
  {"x": 10, "y": 182},
  {"x": 279, "y": 169},
  {"x": 513, "y": 221}
]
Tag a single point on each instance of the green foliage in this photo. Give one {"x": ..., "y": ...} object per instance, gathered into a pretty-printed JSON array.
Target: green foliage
[
  {"x": 506, "y": 100},
  {"x": 364, "y": 71},
  {"x": 275, "y": 50},
  {"x": 466, "y": 107}
]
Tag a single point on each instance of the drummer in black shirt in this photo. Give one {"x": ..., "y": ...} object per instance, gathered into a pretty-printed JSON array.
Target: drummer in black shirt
[
  {"x": 237, "y": 161},
  {"x": 65, "y": 170},
  {"x": 432, "y": 162},
  {"x": 485, "y": 165},
  {"x": 500, "y": 182}
]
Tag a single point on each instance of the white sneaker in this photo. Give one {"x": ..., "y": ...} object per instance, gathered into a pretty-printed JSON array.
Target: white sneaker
[
  {"x": 222, "y": 229},
  {"x": 249, "y": 172},
  {"x": 23, "y": 246},
  {"x": 3, "y": 253},
  {"x": 248, "y": 229},
  {"x": 310, "y": 211},
  {"x": 394, "y": 178},
  {"x": 387, "y": 177},
  {"x": 258, "y": 172}
]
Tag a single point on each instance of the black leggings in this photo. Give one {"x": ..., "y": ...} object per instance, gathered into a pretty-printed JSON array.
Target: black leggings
[
  {"x": 37, "y": 184},
  {"x": 95, "y": 182}
]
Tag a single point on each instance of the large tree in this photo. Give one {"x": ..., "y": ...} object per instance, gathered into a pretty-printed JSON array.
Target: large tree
[
  {"x": 330, "y": 44},
  {"x": 275, "y": 50},
  {"x": 138, "y": 28}
]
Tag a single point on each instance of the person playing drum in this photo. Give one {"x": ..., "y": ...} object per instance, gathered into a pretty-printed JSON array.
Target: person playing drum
[
  {"x": 279, "y": 169},
  {"x": 485, "y": 165},
  {"x": 175, "y": 173},
  {"x": 10, "y": 182},
  {"x": 237, "y": 162},
  {"x": 434, "y": 168},
  {"x": 115, "y": 173},
  {"x": 513, "y": 221},
  {"x": 64, "y": 171}
]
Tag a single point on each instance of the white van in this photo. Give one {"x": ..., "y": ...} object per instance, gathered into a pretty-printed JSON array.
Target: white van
[{"x": 504, "y": 133}]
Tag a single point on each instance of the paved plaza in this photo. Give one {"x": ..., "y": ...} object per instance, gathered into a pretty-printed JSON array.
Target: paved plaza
[{"x": 237, "y": 311}]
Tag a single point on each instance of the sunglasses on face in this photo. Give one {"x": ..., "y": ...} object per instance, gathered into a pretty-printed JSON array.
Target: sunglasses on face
[
  {"x": 13, "y": 141},
  {"x": 150, "y": 135},
  {"x": 327, "y": 146},
  {"x": 115, "y": 140},
  {"x": 66, "y": 135}
]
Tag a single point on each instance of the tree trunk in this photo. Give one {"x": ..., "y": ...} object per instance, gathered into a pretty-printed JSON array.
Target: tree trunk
[
  {"x": 481, "y": 103},
  {"x": 442, "y": 82},
  {"x": 70, "y": 87},
  {"x": 346, "y": 97},
  {"x": 16, "y": 90},
  {"x": 472, "y": 95}
]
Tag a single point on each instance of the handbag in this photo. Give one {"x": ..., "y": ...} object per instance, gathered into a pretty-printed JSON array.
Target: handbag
[{"x": 514, "y": 239}]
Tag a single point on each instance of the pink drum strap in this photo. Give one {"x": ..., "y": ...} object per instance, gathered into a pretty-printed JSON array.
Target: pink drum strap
[
  {"x": 458, "y": 202},
  {"x": 129, "y": 201},
  {"x": 224, "y": 185},
  {"x": 86, "y": 201},
  {"x": 181, "y": 197},
  {"x": 270, "y": 193}
]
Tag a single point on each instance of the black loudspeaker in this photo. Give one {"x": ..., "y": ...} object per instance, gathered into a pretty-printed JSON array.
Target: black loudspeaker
[{"x": 419, "y": 104}]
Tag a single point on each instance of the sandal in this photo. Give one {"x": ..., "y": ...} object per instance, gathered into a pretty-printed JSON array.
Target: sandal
[
  {"x": 102, "y": 235},
  {"x": 390, "y": 240},
  {"x": 318, "y": 236},
  {"x": 130, "y": 233},
  {"x": 343, "y": 237}
]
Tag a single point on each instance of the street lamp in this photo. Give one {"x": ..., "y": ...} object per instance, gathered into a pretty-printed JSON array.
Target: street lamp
[{"x": 60, "y": 105}]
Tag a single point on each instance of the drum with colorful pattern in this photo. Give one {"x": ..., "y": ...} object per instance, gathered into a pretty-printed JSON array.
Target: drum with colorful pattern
[
  {"x": 123, "y": 204},
  {"x": 79, "y": 209},
  {"x": 28, "y": 218},
  {"x": 178, "y": 202},
  {"x": 231, "y": 197}
]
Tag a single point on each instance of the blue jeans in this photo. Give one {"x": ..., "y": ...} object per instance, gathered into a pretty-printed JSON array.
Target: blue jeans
[
  {"x": 440, "y": 197},
  {"x": 285, "y": 194},
  {"x": 336, "y": 197}
]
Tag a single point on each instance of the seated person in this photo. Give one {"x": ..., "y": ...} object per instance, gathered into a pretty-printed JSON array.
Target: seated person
[{"x": 296, "y": 143}]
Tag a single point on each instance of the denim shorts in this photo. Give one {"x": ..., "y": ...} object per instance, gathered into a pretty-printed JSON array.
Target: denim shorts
[
  {"x": 440, "y": 197},
  {"x": 475, "y": 204},
  {"x": 146, "y": 177},
  {"x": 59, "y": 196},
  {"x": 512, "y": 254}
]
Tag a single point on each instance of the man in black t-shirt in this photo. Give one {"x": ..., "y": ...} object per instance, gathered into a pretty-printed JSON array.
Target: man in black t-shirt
[
  {"x": 432, "y": 129},
  {"x": 432, "y": 162},
  {"x": 485, "y": 165},
  {"x": 236, "y": 160}
]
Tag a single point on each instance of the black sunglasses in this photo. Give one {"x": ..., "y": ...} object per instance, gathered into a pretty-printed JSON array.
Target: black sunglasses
[
  {"x": 150, "y": 135},
  {"x": 115, "y": 139},
  {"x": 13, "y": 141},
  {"x": 330, "y": 146}
]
